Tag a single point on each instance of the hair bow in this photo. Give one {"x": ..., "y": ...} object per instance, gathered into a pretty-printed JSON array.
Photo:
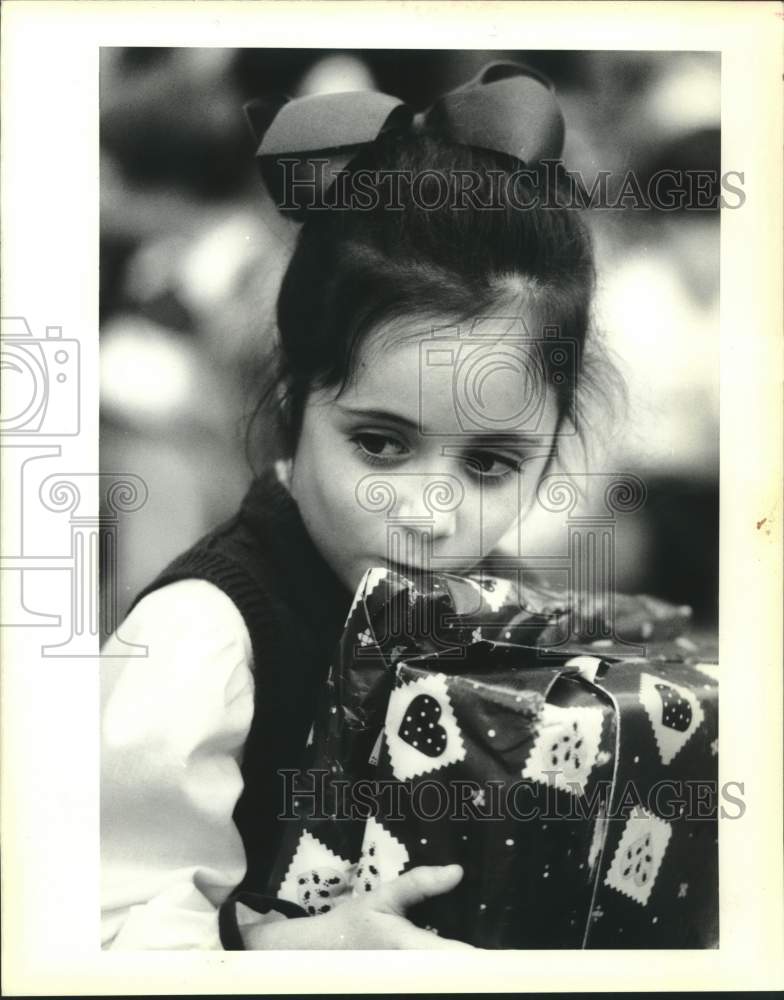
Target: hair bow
[{"x": 507, "y": 107}]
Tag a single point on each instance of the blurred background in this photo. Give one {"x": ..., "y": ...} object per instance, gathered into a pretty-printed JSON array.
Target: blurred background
[{"x": 192, "y": 253}]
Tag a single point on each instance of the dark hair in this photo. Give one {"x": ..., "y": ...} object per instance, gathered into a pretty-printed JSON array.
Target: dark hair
[{"x": 353, "y": 269}]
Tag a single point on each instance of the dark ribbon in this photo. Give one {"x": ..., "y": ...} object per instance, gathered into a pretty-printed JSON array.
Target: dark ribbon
[
  {"x": 228, "y": 924},
  {"x": 507, "y": 108}
]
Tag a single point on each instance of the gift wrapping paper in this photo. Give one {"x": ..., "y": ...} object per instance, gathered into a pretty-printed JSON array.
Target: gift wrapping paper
[{"x": 576, "y": 783}]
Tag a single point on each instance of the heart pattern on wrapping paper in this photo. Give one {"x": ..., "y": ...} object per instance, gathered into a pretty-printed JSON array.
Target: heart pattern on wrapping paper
[
  {"x": 676, "y": 711},
  {"x": 313, "y": 870},
  {"x": 383, "y": 858},
  {"x": 318, "y": 888},
  {"x": 639, "y": 856},
  {"x": 566, "y": 747},
  {"x": 438, "y": 743},
  {"x": 420, "y": 728},
  {"x": 367, "y": 876},
  {"x": 638, "y": 861}
]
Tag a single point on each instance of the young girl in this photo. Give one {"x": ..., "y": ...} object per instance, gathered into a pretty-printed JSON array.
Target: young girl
[{"x": 240, "y": 629}]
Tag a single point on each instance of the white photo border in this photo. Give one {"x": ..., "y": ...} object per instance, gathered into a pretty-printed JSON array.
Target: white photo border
[{"x": 50, "y": 237}]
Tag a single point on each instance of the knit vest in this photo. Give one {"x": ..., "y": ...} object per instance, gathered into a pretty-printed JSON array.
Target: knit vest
[{"x": 294, "y": 608}]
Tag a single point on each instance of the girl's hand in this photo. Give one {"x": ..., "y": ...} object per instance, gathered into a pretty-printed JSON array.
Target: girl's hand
[{"x": 372, "y": 921}]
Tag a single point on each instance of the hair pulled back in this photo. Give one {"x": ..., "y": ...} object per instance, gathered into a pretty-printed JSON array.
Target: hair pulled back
[{"x": 353, "y": 269}]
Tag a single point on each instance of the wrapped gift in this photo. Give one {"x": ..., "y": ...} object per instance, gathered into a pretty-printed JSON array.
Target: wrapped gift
[{"x": 575, "y": 783}]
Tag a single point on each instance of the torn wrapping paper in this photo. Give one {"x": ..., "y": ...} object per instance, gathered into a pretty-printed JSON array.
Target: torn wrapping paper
[{"x": 576, "y": 784}]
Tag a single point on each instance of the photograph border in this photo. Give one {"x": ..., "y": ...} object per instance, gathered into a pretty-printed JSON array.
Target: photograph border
[{"x": 50, "y": 705}]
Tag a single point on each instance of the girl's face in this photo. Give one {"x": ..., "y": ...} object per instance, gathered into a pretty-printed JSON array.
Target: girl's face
[{"x": 392, "y": 472}]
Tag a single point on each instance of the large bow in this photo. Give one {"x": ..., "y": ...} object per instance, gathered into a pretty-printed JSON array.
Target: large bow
[{"x": 508, "y": 108}]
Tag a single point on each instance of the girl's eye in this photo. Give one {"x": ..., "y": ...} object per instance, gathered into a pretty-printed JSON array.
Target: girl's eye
[
  {"x": 490, "y": 466},
  {"x": 379, "y": 447}
]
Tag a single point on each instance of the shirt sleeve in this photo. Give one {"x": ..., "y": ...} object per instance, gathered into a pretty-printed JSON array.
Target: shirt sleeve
[{"x": 173, "y": 725}]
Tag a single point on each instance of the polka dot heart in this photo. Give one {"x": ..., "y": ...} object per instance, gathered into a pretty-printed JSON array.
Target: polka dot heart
[
  {"x": 319, "y": 888},
  {"x": 677, "y": 712},
  {"x": 674, "y": 711},
  {"x": 566, "y": 746},
  {"x": 317, "y": 878},
  {"x": 383, "y": 858},
  {"x": 638, "y": 857},
  {"x": 421, "y": 729}
]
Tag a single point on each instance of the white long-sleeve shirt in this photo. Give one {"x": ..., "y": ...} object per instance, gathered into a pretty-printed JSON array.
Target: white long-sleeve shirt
[{"x": 174, "y": 724}]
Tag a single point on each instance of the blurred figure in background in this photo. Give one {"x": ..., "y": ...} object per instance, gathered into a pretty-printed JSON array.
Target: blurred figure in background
[{"x": 657, "y": 310}]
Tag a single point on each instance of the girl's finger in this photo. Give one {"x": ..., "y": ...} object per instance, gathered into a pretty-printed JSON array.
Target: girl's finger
[{"x": 417, "y": 885}]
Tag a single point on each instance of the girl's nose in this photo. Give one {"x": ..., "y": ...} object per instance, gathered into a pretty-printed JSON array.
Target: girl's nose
[
  {"x": 444, "y": 524},
  {"x": 430, "y": 502},
  {"x": 424, "y": 519}
]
